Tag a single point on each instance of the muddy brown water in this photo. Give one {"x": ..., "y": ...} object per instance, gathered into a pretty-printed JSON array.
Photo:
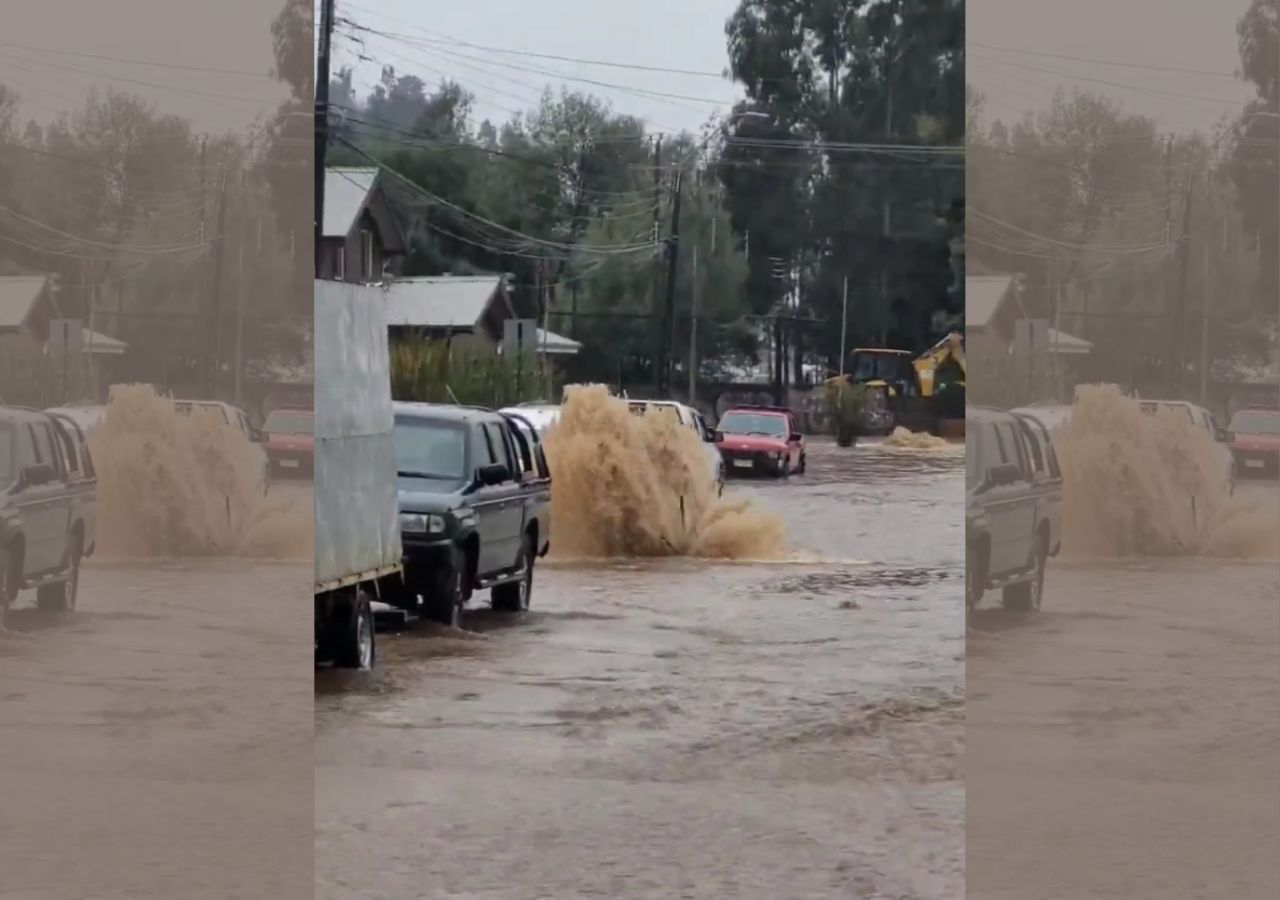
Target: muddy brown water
[
  {"x": 157, "y": 742},
  {"x": 678, "y": 728},
  {"x": 1125, "y": 741}
]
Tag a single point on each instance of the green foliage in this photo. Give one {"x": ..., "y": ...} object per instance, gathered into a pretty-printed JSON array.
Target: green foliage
[
  {"x": 127, "y": 201},
  {"x": 30, "y": 377},
  {"x": 1077, "y": 199},
  {"x": 1255, "y": 157},
  {"x": 463, "y": 372},
  {"x": 850, "y": 406},
  {"x": 1006, "y": 380},
  {"x": 850, "y": 71}
]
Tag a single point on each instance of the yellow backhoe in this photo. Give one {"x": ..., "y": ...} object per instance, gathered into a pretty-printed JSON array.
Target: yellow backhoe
[{"x": 924, "y": 393}]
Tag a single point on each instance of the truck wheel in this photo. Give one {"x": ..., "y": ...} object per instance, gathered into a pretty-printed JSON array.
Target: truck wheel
[
  {"x": 974, "y": 577},
  {"x": 1025, "y": 596},
  {"x": 353, "y": 643},
  {"x": 61, "y": 596},
  {"x": 8, "y": 578},
  {"x": 445, "y": 591},
  {"x": 514, "y": 596}
]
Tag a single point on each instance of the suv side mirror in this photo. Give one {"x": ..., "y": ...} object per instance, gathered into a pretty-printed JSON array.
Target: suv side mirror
[
  {"x": 37, "y": 475},
  {"x": 796, "y": 437},
  {"x": 1224, "y": 436},
  {"x": 717, "y": 437},
  {"x": 495, "y": 473},
  {"x": 257, "y": 435}
]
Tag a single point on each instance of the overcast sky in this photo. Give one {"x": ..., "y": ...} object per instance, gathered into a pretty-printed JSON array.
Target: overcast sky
[
  {"x": 227, "y": 34},
  {"x": 1162, "y": 34},
  {"x": 672, "y": 34}
]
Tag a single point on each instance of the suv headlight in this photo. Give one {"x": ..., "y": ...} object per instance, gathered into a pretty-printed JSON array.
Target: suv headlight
[{"x": 417, "y": 523}]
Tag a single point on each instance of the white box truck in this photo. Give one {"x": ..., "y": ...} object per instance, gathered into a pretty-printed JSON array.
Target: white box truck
[{"x": 358, "y": 554}]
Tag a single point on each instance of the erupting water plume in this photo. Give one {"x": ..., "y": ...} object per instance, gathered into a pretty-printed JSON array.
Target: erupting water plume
[
  {"x": 640, "y": 486},
  {"x": 905, "y": 439},
  {"x": 186, "y": 485},
  {"x": 1137, "y": 484}
]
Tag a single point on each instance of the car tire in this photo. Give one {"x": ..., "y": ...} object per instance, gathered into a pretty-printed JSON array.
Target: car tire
[
  {"x": 974, "y": 577},
  {"x": 514, "y": 596},
  {"x": 9, "y": 574},
  {"x": 61, "y": 595},
  {"x": 1026, "y": 596},
  {"x": 445, "y": 595},
  {"x": 802, "y": 466},
  {"x": 352, "y": 641}
]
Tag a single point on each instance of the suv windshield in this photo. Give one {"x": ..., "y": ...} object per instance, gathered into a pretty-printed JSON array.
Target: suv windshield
[
  {"x": 430, "y": 449},
  {"x": 1247, "y": 422},
  {"x": 768, "y": 424},
  {"x": 284, "y": 421},
  {"x": 7, "y": 473}
]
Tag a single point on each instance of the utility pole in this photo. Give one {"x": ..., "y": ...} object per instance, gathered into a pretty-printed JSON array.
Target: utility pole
[
  {"x": 693, "y": 330},
  {"x": 653, "y": 300},
  {"x": 239, "y": 351},
  {"x": 669, "y": 310},
  {"x": 322, "y": 120},
  {"x": 215, "y": 304},
  {"x": 1180, "y": 323},
  {"x": 1204, "y": 333},
  {"x": 844, "y": 319}
]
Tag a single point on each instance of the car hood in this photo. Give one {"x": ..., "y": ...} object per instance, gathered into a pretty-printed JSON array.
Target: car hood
[
  {"x": 753, "y": 442},
  {"x": 1256, "y": 442},
  {"x": 427, "y": 495}
]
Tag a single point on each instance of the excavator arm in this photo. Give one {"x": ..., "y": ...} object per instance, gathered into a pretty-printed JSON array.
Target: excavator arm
[{"x": 926, "y": 364}]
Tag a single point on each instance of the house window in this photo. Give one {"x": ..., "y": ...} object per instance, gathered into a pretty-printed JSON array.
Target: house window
[{"x": 366, "y": 254}]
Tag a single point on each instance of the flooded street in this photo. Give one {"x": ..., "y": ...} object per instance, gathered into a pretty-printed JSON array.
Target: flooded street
[
  {"x": 678, "y": 728},
  {"x": 157, "y": 741},
  {"x": 1125, "y": 742}
]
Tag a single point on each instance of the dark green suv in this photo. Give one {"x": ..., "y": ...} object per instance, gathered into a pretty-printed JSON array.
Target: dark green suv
[
  {"x": 48, "y": 507},
  {"x": 475, "y": 507}
]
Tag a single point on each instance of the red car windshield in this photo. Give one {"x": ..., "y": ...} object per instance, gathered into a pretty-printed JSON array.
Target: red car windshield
[
  {"x": 283, "y": 421},
  {"x": 1249, "y": 421},
  {"x": 765, "y": 424}
]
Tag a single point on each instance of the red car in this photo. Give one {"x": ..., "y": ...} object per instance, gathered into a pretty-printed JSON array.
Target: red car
[
  {"x": 290, "y": 440},
  {"x": 1255, "y": 441},
  {"x": 759, "y": 439}
]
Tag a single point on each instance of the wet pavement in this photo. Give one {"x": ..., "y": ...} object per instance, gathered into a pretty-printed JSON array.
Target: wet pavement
[
  {"x": 157, "y": 741},
  {"x": 677, "y": 729},
  {"x": 1125, "y": 741}
]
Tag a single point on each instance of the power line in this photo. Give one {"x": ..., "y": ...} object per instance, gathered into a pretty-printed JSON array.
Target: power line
[
  {"x": 150, "y": 84},
  {"x": 1097, "y": 61},
  {"x": 1071, "y": 76},
  {"x": 139, "y": 62},
  {"x": 601, "y": 250}
]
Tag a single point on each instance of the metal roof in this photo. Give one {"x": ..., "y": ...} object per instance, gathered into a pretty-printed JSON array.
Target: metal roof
[
  {"x": 983, "y": 295},
  {"x": 346, "y": 191},
  {"x": 448, "y": 301},
  {"x": 1068, "y": 344},
  {"x": 18, "y": 295},
  {"x": 97, "y": 342}
]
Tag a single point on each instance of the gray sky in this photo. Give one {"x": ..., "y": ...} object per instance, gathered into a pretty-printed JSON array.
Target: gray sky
[
  {"x": 665, "y": 33},
  {"x": 1179, "y": 34},
  {"x": 228, "y": 34}
]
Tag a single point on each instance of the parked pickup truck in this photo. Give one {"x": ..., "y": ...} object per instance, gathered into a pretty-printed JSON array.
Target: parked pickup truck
[
  {"x": 1013, "y": 507},
  {"x": 475, "y": 507},
  {"x": 48, "y": 502}
]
